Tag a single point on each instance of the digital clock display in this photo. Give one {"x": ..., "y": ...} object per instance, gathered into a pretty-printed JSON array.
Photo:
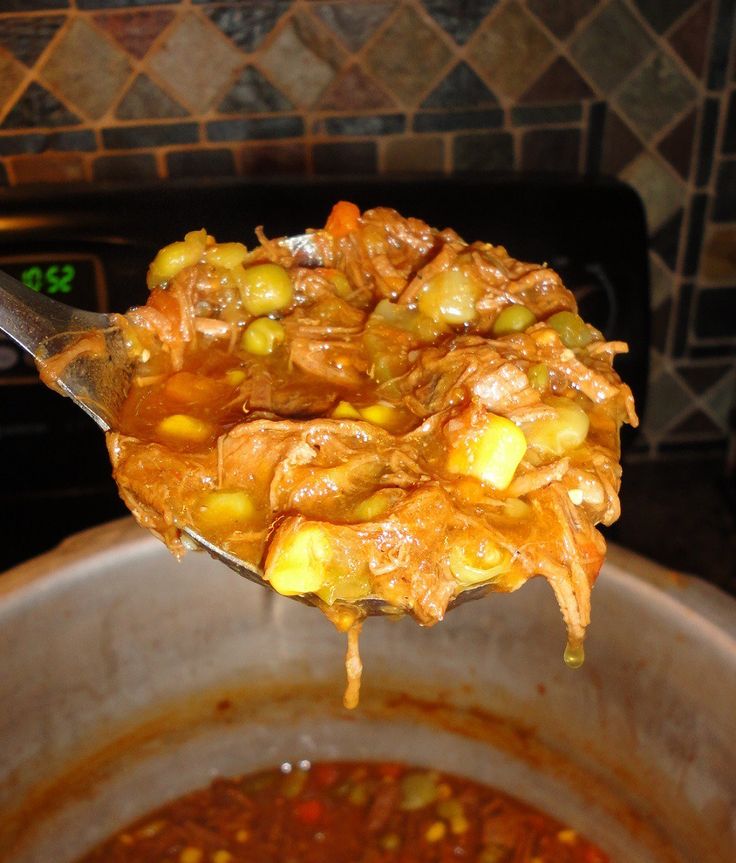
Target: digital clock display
[{"x": 70, "y": 280}]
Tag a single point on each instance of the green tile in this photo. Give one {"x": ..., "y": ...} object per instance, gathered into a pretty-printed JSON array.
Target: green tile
[
  {"x": 145, "y": 101},
  {"x": 662, "y": 193},
  {"x": 408, "y": 56},
  {"x": 353, "y": 22},
  {"x": 722, "y": 397},
  {"x": 655, "y": 95},
  {"x": 661, "y": 281},
  {"x": 83, "y": 48},
  {"x": 612, "y": 45},
  {"x": 511, "y": 50},
  {"x": 195, "y": 62},
  {"x": 668, "y": 399}
]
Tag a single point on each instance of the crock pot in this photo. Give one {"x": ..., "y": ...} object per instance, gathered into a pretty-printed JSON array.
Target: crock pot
[{"x": 128, "y": 679}]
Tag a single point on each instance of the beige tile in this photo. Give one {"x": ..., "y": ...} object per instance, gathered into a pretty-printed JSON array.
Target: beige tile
[
  {"x": 410, "y": 155},
  {"x": 196, "y": 62},
  {"x": 48, "y": 168},
  {"x": 661, "y": 192},
  {"x": 86, "y": 68}
]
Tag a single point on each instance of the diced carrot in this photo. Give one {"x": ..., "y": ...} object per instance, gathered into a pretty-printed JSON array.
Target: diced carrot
[
  {"x": 343, "y": 219},
  {"x": 309, "y": 811},
  {"x": 325, "y": 775},
  {"x": 390, "y": 771},
  {"x": 167, "y": 305}
]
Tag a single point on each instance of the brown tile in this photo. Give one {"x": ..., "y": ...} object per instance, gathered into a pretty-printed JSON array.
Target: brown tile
[
  {"x": 677, "y": 146},
  {"x": 550, "y": 149},
  {"x": 11, "y": 74},
  {"x": 620, "y": 144},
  {"x": 659, "y": 189},
  {"x": 511, "y": 50},
  {"x": 700, "y": 378},
  {"x": 83, "y": 48},
  {"x": 561, "y": 16},
  {"x": 493, "y": 151},
  {"x": 696, "y": 424},
  {"x": 135, "y": 31},
  {"x": 260, "y": 159},
  {"x": 559, "y": 83},
  {"x": 48, "y": 168},
  {"x": 195, "y": 62},
  {"x": 302, "y": 60},
  {"x": 416, "y": 154},
  {"x": 353, "y": 22},
  {"x": 354, "y": 89},
  {"x": 690, "y": 38},
  {"x": 408, "y": 56},
  {"x": 144, "y": 100},
  {"x": 718, "y": 260}
]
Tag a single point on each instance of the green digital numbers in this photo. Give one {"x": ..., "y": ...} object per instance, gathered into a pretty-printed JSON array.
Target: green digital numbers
[{"x": 55, "y": 279}]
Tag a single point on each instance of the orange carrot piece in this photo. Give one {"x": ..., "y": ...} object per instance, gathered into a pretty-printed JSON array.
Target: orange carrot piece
[{"x": 343, "y": 219}]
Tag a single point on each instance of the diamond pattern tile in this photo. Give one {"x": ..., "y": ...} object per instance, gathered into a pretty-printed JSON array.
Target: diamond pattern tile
[
  {"x": 662, "y": 13},
  {"x": 661, "y": 281},
  {"x": 661, "y": 192},
  {"x": 11, "y": 75},
  {"x": 655, "y": 95},
  {"x": 253, "y": 93},
  {"x": 700, "y": 378},
  {"x": 677, "y": 146},
  {"x": 135, "y": 31},
  {"x": 668, "y": 399},
  {"x": 408, "y": 56},
  {"x": 26, "y": 38},
  {"x": 195, "y": 62},
  {"x": 559, "y": 83},
  {"x": 354, "y": 89},
  {"x": 247, "y": 24},
  {"x": 665, "y": 240},
  {"x": 459, "y": 19},
  {"x": 620, "y": 144},
  {"x": 561, "y": 16},
  {"x": 144, "y": 100},
  {"x": 83, "y": 47},
  {"x": 511, "y": 50},
  {"x": 718, "y": 259},
  {"x": 461, "y": 88},
  {"x": 690, "y": 37},
  {"x": 721, "y": 397},
  {"x": 37, "y": 107},
  {"x": 696, "y": 424},
  {"x": 353, "y": 22},
  {"x": 302, "y": 59},
  {"x": 611, "y": 46}
]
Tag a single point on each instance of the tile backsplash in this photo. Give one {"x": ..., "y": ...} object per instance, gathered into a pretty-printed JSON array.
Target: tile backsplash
[{"x": 132, "y": 90}]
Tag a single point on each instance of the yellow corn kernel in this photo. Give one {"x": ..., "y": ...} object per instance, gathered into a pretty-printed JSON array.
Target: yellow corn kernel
[
  {"x": 265, "y": 288},
  {"x": 234, "y": 377},
  {"x": 385, "y": 416},
  {"x": 513, "y": 319},
  {"x": 564, "y": 431},
  {"x": 569, "y": 837},
  {"x": 490, "y": 453},
  {"x": 375, "y": 505},
  {"x": 224, "y": 509},
  {"x": 345, "y": 411},
  {"x": 435, "y": 831},
  {"x": 450, "y": 297},
  {"x": 242, "y": 836},
  {"x": 182, "y": 427},
  {"x": 262, "y": 336},
  {"x": 221, "y": 856},
  {"x": 474, "y": 563},
  {"x": 341, "y": 284},
  {"x": 191, "y": 855},
  {"x": 227, "y": 255},
  {"x": 299, "y": 563},
  {"x": 390, "y": 842},
  {"x": 173, "y": 258},
  {"x": 459, "y": 825}
]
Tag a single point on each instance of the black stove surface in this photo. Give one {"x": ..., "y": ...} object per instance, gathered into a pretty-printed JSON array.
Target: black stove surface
[{"x": 91, "y": 246}]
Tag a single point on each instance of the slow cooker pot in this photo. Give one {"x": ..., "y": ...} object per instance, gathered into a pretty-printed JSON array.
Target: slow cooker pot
[{"x": 128, "y": 679}]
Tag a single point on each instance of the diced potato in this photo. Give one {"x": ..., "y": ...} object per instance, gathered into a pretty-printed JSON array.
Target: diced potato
[
  {"x": 172, "y": 259},
  {"x": 412, "y": 321},
  {"x": 224, "y": 510},
  {"x": 563, "y": 432},
  {"x": 376, "y": 505},
  {"x": 227, "y": 255},
  {"x": 184, "y": 428},
  {"x": 346, "y": 586},
  {"x": 513, "y": 319},
  {"x": 265, "y": 288},
  {"x": 345, "y": 411},
  {"x": 383, "y": 415},
  {"x": 490, "y": 452},
  {"x": 262, "y": 336},
  {"x": 234, "y": 377},
  {"x": 299, "y": 562},
  {"x": 475, "y": 563},
  {"x": 450, "y": 297}
]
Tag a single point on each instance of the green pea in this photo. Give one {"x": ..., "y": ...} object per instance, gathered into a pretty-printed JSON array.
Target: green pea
[
  {"x": 513, "y": 319},
  {"x": 572, "y": 329},
  {"x": 265, "y": 288},
  {"x": 262, "y": 336},
  {"x": 538, "y": 376}
]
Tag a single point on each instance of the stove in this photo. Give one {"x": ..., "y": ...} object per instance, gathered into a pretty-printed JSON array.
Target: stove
[{"x": 90, "y": 246}]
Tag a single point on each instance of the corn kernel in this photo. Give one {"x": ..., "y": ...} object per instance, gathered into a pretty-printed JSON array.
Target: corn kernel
[
  {"x": 227, "y": 255},
  {"x": 569, "y": 837},
  {"x": 234, "y": 377},
  {"x": 390, "y": 842},
  {"x": 299, "y": 563},
  {"x": 224, "y": 509},
  {"x": 375, "y": 505},
  {"x": 172, "y": 259},
  {"x": 265, "y": 288},
  {"x": 345, "y": 411},
  {"x": 242, "y": 836},
  {"x": 435, "y": 831},
  {"x": 491, "y": 453},
  {"x": 575, "y": 495},
  {"x": 262, "y": 336},
  {"x": 221, "y": 856},
  {"x": 385, "y": 416},
  {"x": 459, "y": 825},
  {"x": 191, "y": 855},
  {"x": 474, "y": 563},
  {"x": 181, "y": 427}
]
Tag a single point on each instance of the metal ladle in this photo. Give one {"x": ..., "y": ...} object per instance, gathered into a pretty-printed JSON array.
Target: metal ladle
[{"x": 98, "y": 383}]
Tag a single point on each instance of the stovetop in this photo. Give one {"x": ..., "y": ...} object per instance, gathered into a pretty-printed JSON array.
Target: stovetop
[{"x": 90, "y": 246}]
